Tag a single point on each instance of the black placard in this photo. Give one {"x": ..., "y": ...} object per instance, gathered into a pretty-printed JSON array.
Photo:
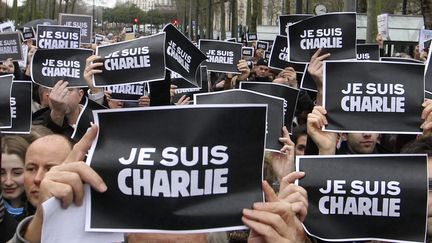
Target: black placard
[
  {"x": 289, "y": 94},
  {"x": 85, "y": 118},
  {"x": 263, "y": 45},
  {"x": 384, "y": 194},
  {"x": 222, "y": 56},
  {"x": 52, "y": 65},
  {"x": 85, "y": 22},
  {"x": 10, "y": 46},
  {"x": 286, "y": 20},
  {"x": 185, "y": 172},
  {"x": 182, "y": 56},
  {"x": 373, "y": 96},
  {"x": 21, "y": 102},
  {"x": 28, "y": 33},
  {"x": 134, "y": 61},
  {"x": 247, "y": 52},
  {"x": 251, "y": 37},
  {"x": 5, "y": 98},
  {"x": 368, "y": 52},
  {"x": 185, "y": 88},
  {"x": 127, "y": 92},
  {"x": 307, "y": 81},
  {"x": 275, "y": 115},
  {"x": 428, "y": 75},
  {"x": 334, "y": 33},
  {"x": 57, "y": 37},
  {"x": 280, "y": 53}
]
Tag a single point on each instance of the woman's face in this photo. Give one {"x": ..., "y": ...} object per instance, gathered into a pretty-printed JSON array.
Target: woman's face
[{"x": 12, "y": 176}]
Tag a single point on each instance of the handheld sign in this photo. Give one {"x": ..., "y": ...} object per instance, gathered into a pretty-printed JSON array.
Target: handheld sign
[
  {"x": 400, "y": 59},
  {"x": 85, "y": 118},
  {"x": 52, "y": 65},
  {"x": 127, "y": 92},
  {"x": 247, "y": 52},
  {"x": 7, "y": 26},
  {"x": 21, "y": 101},
  {"x": 383, "y": 29},
  {"x": 307, "y": 82},
  {"x": 57, "y": 37},
  {"x": 222, "y": 56},
  {"x": 263, "y": 45},
  {"x": 251, "y": 37},
  {"x": 287, "y": 20},
  {"x": 5, "y": 101},
  {"x": 424, "y": 36},
  {"x": 279, "y": 55},
  {"x": 146, "y": 159},
  {"x": 334, "y": 33},
  {"x": 428, "y": 75},
  {"x": 85, "y": 22},
  {"x": 368, "y": 52},
  {"x": 182, "y": 56},
  {"x": 134, "y": 61},
  {"x": 275, "y": 104},
  {"x": 28, "y": 33},
  {"x": 185, "y": 88},
  {"x": 372, "y": 96},
  {"x": 385, "y": 194},
  {"x": 231, "y": 40},
  {"x": 10, "y": 46},
  {"x": 289, "y": 94}
]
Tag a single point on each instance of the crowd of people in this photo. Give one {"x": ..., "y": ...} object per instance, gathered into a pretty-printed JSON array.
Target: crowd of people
[{"x": 47, "y": 163}]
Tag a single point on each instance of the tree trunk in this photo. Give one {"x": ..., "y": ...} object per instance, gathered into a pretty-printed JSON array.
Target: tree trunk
[
  {"x": 349, "y": 5},
  {"x": 362, "y": 6},
  {"x": 260, "y": 10},
  {"x": 66, "y": 6},
  {"x": 15, "y": 10},
  {"x": 59, "y": 7},
  {"x": 253, "y": 26},
  {"x": 33, "y": 9},
  {"x": 190, "y": 21},
  {"x": 73, "y": 6},
  {"x": 287, "y": 7},
  {"x": 249, "y": 13},
  {"x": 234, "y": 21},
  {"x": 373, "y": 9},
  {"x": 222, "y": 20},
  {"x": 209, "y": 29},
  {"x": 197, "y": 19},
  {"x": 426, "y": 7}
]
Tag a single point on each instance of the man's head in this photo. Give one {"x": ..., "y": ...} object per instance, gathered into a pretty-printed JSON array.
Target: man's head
[
  {"x": 74, "y": 97},
  {"x": 261, "y": 68},
  {"x": 7, "y": 67},
  {"x": 424, "y": 146},
  {"x": 361, "y": 143},
  {"x": 299, "y": 137},
  {"x": 41, "y": 155}
]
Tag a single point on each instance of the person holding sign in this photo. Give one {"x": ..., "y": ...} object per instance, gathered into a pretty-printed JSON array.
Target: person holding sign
[
  {"x": 279, "y": 219},
  {"x": 229, "y": 81}
]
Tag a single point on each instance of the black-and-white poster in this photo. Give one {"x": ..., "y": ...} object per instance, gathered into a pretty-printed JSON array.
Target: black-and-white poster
[
  {"x": 262, "y": 45},
  {"x": 280, "y": 53},
  {"x": 247, "y": 52},
  {"x": 85, "y": 118},
  {"x": 289, "y": 94},
  {"x": 400, "y": 59},
  {"x": 231, "y": 40},
  {"x": 28, "y": 33},
  {"x": 183, "y": 57},
  {"x": 368, "y": 52},
  {"x": 186, "y": 88},
  {"x": 366, "y": 197},
  {"x": 307, "y": 82},
  {"x": 85, "y": 22},
  {"x": 57, "y": 37},
  {"x": 251, "y": 37},
  {"x": 134, "y": 61},
  {"x": 428, "y": 75},
  {"x": 20, "y": 102},
  {"x": 286, "y": 20},
  {"x": 52, "y": 65},
  {"x": 10, "y": 46},
  {"x": 222, "y": 56},
  {"x": 275, "y": 115},
  {"x": 127, "y": 92},
  {"x": 147, "y": 160},
  {"x": 373, "y": 96},
  {"x": 5, "y": 101},
  {"x": 335, "y": 33}
]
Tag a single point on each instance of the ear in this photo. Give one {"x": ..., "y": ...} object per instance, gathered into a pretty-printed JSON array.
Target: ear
[{"x": 81, "y": 93}]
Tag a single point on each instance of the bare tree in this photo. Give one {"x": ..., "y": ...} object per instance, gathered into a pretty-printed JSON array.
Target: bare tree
[
  {"x": 234, "y": 19},
  {"x": 248, "y": 12},
  {"x": 222, "y": 20},
  {"x": 253, "y": 25},
  {"x": 373, "y": 9}
]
